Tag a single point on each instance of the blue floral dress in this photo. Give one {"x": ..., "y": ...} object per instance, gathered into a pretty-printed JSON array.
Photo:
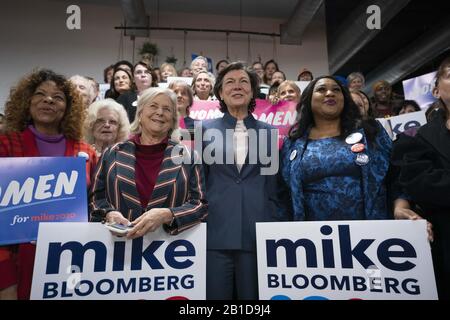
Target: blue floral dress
[
  {"x": 324, "y": 182},
  {"x": 331, "y": 181}
]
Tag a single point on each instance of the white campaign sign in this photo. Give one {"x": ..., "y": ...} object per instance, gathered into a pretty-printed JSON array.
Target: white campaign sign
[
  {"x": 85, "y": 261},
  {"x": 398, "y": 124},
  {"x": 407, "y": 121},
  {"x": 382, "y": 259}
]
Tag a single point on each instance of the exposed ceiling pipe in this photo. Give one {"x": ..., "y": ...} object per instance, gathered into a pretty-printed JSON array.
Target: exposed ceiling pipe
[
  {"x": 292, "y": 30},
  {"x": 427, "y": 47},
  {"x": 134, "y": 14},
  {"x": 354, "y": 34}
]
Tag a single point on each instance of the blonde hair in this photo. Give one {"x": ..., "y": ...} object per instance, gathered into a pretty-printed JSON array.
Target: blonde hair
[
  {"x": 123, "y": 131},
  {"x": 169, "y": 66},
  {"x": 148, "y": 95},
  {"x": 292, "y": 84}
]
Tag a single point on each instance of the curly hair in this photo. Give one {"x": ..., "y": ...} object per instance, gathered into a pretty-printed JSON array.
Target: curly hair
[
  {"x": 123, "y": 130},
  {"x": 17, "y": 108},
  {"x": 350, "y": 116}
]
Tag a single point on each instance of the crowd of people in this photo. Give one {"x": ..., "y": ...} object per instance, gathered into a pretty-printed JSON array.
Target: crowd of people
[{"x": 337, "y": 162}]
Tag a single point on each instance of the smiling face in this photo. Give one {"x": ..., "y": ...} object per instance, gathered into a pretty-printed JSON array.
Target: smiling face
[
  {"x": 157, "y": 117},
  {"x": 288, "y": 93},
  {"x": 327, "y": 100},
  {"x": 47, "y": 106},
  {"x": 356, "y": 84},
  {"x": 122, "y": 81},
  {"x": 236, "y": 89},
  {"x": 383, "y": 93},
  {"x": 106, "y": 127}
]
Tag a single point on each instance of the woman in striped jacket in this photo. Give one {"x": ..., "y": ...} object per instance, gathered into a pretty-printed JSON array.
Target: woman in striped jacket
[{"x": 150, "y": 180}]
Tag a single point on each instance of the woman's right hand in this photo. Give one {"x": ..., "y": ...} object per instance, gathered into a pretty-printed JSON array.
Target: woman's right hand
[{"x": 117, "y": 217}]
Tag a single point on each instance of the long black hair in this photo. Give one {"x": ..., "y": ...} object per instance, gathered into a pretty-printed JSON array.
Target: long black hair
[{"x": 351, "y": 118}]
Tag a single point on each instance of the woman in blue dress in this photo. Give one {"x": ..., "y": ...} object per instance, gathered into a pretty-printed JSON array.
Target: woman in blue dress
[{"x": 334, "y": 163}]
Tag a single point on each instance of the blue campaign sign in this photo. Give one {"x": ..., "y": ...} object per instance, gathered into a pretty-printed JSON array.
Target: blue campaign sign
[
  {"x": 40, "y": 189},
  {"x": 420, "y": 89}
]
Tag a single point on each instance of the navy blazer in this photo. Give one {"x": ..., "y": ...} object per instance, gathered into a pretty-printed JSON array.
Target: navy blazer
[
  {"x": 373, "y": 175},
  {"x": 237, "y": 200},
  {"x": 180, "y": 186}
]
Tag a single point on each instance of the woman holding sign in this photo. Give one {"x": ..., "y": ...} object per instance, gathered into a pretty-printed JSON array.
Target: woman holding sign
[
  {"x": 425, "y": 175},
  {"x": 150, "y": 180},
  {"x": 334, "y": 163},
  {"x": 44, "y": 118}
]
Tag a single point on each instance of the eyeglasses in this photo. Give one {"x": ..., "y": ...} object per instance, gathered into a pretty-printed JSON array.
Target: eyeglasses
[{"x": 103, "y": 122}]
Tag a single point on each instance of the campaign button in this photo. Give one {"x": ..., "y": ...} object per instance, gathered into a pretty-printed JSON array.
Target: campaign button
[
  {"x": 362, "y": 159},
  {"x": 293, "y": 155},
  {"x": 358, "y": 147},
  {"x": 354, "y": 138},
  {"x": 83, "y": 155}
]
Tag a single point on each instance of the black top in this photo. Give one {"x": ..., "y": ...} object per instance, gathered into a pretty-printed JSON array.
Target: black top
[{"x": 129, "y": 102}]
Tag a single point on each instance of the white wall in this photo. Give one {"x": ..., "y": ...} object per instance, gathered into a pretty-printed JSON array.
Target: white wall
[{"x": 38, "y": 37}]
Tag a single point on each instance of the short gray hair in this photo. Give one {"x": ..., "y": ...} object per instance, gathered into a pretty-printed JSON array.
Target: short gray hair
[
  {"x": 146, "y": 98},
  {"x": 352, "y": 76}
]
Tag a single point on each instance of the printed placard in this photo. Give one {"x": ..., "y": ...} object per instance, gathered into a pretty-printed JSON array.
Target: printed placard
[
  {"x": 382, "y": 259},
  {"x": 40, "y": 189},
  {"x": 85, "y": 261}
]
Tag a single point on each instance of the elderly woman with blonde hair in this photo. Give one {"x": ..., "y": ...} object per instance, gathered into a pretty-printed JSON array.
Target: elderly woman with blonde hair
[
  {"x": 155, "y": 181},
  {"x": 106, "y": 124}
]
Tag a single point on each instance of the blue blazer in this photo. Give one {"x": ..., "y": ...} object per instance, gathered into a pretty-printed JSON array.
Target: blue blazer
[
  {"x": 179, "y": 186},
  {"x": 237, "y": 200},
  {"x": 373, "y": 175}
]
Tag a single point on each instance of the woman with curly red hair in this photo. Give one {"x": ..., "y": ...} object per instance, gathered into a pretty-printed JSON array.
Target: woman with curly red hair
[{"x": 44, "y": 118}]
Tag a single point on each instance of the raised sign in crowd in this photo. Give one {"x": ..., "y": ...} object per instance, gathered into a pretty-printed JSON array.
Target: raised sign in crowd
[{"x": 161, "y": 184}]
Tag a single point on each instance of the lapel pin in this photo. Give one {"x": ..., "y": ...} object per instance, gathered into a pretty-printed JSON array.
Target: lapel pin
[
  {"x": 293, "y": 155},
  {"x": 83, "y": 155},
  {"x": 362, "y": 159},
  {"x": 354, "y": 138},
  {"x": 359, "y": 147}
]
